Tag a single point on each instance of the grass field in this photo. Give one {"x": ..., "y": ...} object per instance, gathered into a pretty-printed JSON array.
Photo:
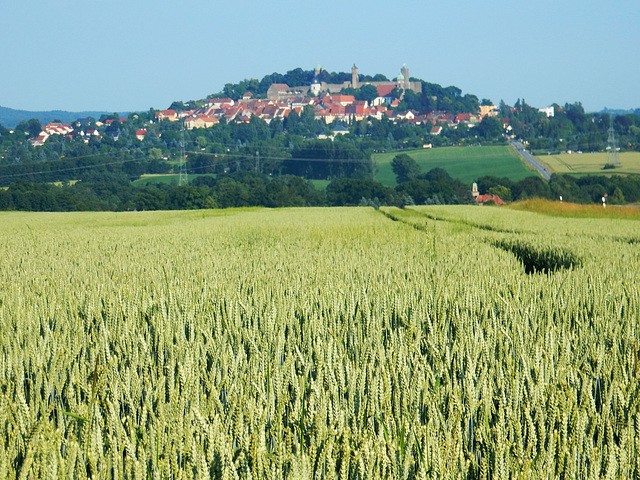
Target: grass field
[
  {"x": 351, "y": 343},
  {"x": 575, "y": 210},
  {"x": 320, "y": 184},
  {"x": 465, "y": 163},
  {"x": 168, "y": 179},
  {"x": 590, "y": 163}
]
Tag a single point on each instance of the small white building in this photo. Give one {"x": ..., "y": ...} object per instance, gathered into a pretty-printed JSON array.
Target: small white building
[{"x": 549, "y": 111}]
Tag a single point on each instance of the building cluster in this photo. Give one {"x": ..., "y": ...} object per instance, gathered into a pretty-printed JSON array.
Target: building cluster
[
  {"x": 324, "y": 99},
  {"x": 81, "y": 129},
  {"x": 328, "y": 107},
  {"x": 53, "y": 128}
]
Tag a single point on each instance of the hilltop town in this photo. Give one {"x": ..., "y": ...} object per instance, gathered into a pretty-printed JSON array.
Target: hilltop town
[
  {"x": 317, "y": 95},
  {"x": 328, "y": 104},
  {"x": 384, "y": 100}
]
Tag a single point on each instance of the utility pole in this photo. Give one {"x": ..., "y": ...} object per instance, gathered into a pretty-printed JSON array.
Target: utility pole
[
  {"x": 612, "y": 146},
  {"x": 183, "y": 179}
]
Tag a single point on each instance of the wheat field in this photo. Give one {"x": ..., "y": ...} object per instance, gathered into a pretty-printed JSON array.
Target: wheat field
[{"x": 431, "y": 342}]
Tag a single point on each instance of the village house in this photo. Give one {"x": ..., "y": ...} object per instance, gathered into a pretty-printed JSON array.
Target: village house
[
  {"x": 200, "y": 121},
  {"x": 53, "y": 128},
  {"x": 548, "y": 111},
  {"x": 384, "y": 95},
  {"x": 488, "y": 110},
  {"x": 483, "y": 199},
  {"x": 340, "y": 130},
  {"x": 170, "y": 115}
]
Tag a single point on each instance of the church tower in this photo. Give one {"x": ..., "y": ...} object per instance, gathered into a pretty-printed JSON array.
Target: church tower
[{"x": 354, "y": 77}]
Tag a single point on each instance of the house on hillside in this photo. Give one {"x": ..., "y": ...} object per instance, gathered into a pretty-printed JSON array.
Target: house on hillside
[
  {"x": 358, "y": 110},
  {"x": 340, "y": 130},
  {"x": 483, "y": 199},
  {"x": 216, "y": 103},
  {"x": 384, "y": 95},
  {"x": 55, "y": 128},
  {"x": 343, "y": 100},
  {"x": 490, "y": 110},
  {"x": 170, "y": 115},
  {"x": 200, "y": 121}
]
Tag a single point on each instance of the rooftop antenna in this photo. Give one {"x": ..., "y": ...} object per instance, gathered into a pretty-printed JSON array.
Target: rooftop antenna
[{"x": 613, "y": 161}]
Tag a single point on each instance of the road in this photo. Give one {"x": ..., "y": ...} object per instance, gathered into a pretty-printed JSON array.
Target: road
[{"x": 529, "y": 159}]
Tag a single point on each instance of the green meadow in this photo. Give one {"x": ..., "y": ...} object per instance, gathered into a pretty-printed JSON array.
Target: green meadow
[
  {"x": 168, "y": 178},
  {"x": 465, "y": 163}
]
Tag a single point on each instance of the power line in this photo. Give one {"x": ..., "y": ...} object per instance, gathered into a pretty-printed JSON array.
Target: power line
[
  {"x": 70, "y": 169},
  {"x": 298, "y": 159},
  {"x": 183, "y": 174}
]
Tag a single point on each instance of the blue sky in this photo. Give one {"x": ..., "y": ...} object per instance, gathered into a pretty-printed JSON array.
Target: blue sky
[{"x": 136, "y": 54}]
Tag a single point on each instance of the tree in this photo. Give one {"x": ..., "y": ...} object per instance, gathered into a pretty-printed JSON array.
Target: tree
[
  {"x": 367, "y": 93},
  {"x": 530, "y": 187},
  {"x": 503, "y": 192},
  {"x": 489, "y": 128},
  {"x": 32, "y": 127},
  {"x": 412, "y": 101},
  {"x": 405, "y": 168}
]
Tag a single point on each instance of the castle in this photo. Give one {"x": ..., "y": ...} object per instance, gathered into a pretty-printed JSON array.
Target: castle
[{"x": 281, "y": 91}]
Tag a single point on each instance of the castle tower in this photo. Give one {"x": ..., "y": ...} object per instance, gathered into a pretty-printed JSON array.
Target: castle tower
[
  {"x": 405, "y": 73},
  {"x": 354, "y": 77}
]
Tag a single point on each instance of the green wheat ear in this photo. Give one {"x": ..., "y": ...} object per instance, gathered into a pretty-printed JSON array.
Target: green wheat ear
[{"x": 318, "y": 343}]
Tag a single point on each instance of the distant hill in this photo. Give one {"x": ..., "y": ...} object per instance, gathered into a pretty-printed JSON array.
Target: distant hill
[
  {"x": 634, "y": 111},
  {"x": 10, "y": 118}
]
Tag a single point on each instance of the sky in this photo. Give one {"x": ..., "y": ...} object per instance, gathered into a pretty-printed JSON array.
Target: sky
[{"x": 132, "y": 55}]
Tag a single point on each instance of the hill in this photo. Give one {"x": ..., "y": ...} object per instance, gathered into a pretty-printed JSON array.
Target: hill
[{"x": 10, "y": 118}]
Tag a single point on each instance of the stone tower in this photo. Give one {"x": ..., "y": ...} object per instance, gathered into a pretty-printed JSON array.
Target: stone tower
[
  {"x": 354, "y": 77},
  {"x": 405, "y": 74}
]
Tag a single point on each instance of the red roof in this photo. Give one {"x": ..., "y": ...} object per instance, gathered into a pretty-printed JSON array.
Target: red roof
[
  {"x": 219, "y": 101},
  {"x": 485, "y": 198},
  {"x": 385, "y": 90},
  {"x": 355, "y": 109},
  {"x": 343, "y": 98}
]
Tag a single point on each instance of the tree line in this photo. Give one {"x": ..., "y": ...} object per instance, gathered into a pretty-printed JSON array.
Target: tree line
[{"x": 243, "y": 189}]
